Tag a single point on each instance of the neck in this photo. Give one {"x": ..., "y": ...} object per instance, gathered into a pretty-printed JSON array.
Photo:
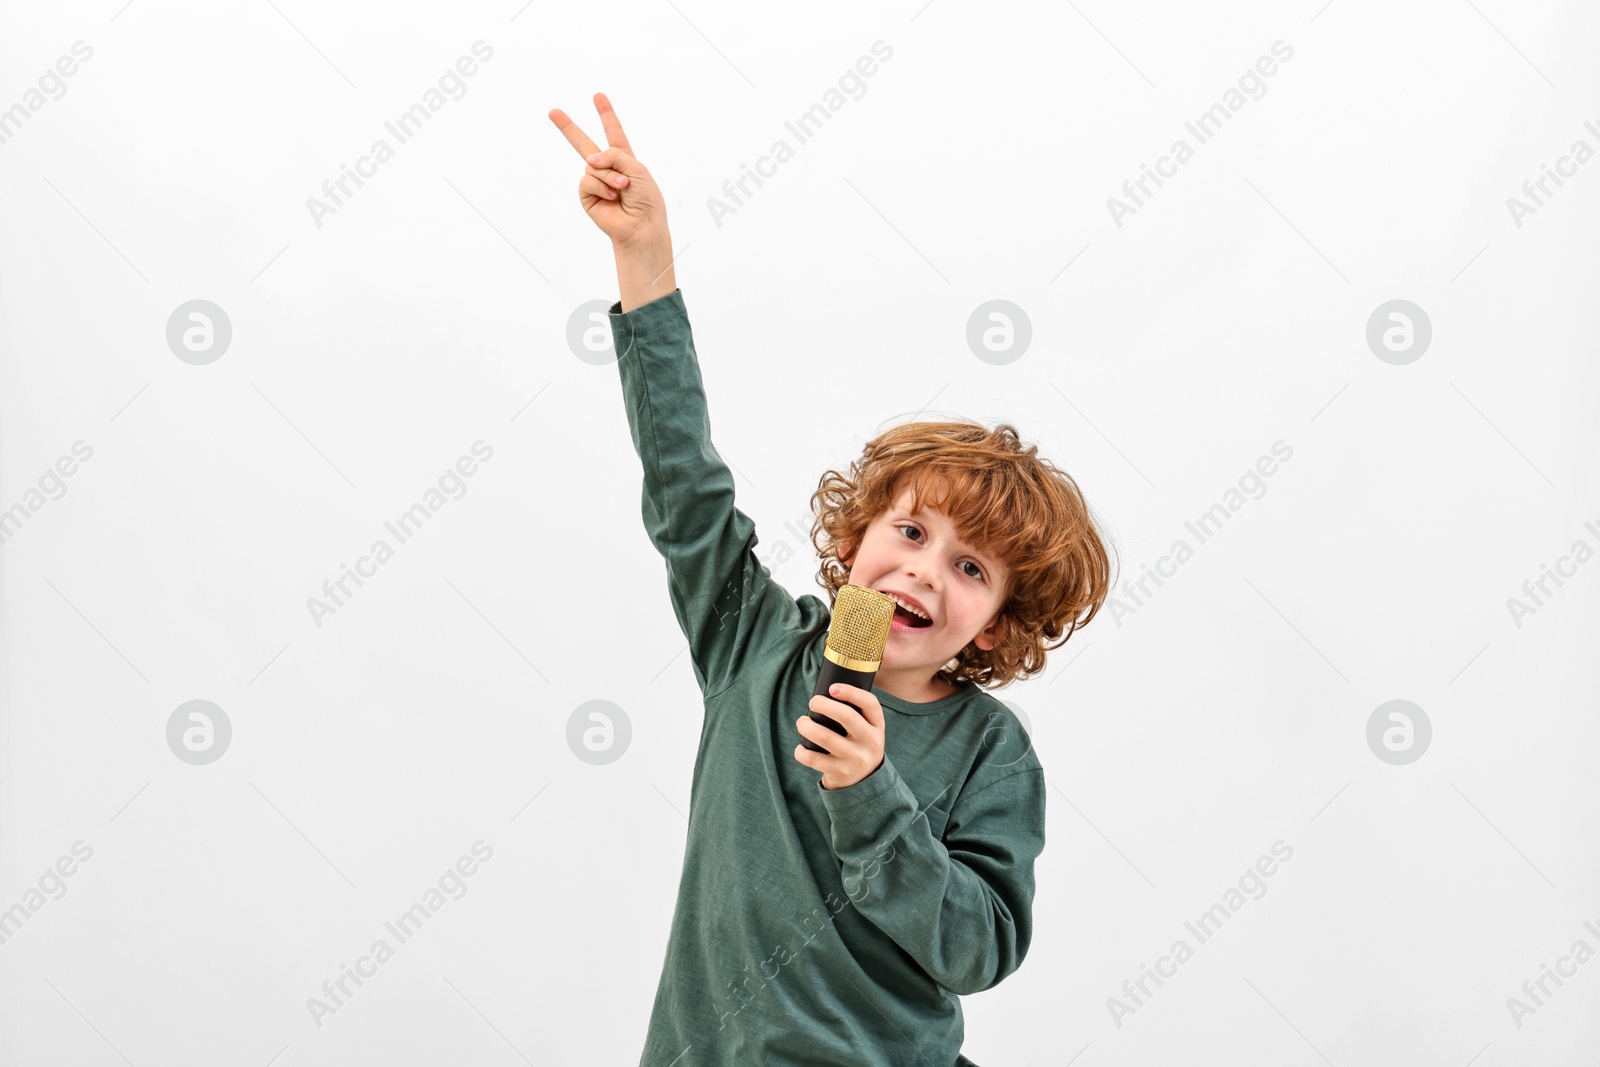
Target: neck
[{"x": 913, "y": 691}]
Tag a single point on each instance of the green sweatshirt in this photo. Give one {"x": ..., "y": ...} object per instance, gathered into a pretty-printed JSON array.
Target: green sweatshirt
[{"x": 813, "y": 927}]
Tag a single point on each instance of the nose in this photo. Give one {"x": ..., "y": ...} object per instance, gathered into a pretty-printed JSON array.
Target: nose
[{"x": 915, "y": 576}]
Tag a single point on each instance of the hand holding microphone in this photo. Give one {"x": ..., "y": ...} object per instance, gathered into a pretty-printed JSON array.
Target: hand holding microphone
[{"x": 851, "y": 657}]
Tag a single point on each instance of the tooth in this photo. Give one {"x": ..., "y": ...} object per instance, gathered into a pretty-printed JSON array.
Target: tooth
[{"x": 911, "y": 609}]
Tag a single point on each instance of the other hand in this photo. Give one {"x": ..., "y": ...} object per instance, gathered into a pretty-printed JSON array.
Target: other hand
[{"x": 616, "y": 190}]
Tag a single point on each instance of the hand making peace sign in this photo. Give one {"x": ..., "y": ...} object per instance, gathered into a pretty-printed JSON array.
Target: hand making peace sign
[{"x": 616, "y": 190}]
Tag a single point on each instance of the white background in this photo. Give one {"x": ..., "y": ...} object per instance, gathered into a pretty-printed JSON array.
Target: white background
[{"x": 1180, "y": 739}]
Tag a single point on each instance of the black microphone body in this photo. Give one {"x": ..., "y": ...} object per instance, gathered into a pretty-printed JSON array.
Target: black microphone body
[{"x": 830, "y": 674}]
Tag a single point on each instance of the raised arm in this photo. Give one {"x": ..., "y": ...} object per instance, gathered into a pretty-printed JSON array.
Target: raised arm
[{"x": 726, "y": 601}]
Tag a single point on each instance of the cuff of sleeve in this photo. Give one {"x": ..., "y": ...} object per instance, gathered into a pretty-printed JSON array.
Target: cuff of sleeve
[
  {"x": 654, "y": 307},
  {"x": 864, "y": 814},
  {"x": 662, "y": 313}
]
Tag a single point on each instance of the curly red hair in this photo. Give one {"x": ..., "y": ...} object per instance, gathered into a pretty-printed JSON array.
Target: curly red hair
[{"x": 1003, "y": 499}]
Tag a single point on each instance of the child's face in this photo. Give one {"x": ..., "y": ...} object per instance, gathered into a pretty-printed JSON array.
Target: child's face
[{"x": 962, "y": 590}]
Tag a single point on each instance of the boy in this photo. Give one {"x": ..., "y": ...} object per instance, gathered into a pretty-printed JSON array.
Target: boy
[{"x": 832, "y": 920}]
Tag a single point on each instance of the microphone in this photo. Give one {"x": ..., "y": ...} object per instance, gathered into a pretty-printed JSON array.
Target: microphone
[{"x": 854, "y": 649}]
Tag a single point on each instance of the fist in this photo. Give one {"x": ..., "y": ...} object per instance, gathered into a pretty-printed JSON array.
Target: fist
[{"x": 855, "y": 755}]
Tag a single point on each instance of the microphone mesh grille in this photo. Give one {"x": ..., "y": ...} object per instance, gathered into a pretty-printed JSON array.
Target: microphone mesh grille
[{"x": 860, "y": 626}]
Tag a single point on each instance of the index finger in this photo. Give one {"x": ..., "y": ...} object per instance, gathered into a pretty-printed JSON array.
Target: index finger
[
  {"x": 853, "y": 700},
  {"x": 575, "y": 137}
]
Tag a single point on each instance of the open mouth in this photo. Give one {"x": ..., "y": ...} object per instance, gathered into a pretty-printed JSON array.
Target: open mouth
[{"x": 903, "y": 619}]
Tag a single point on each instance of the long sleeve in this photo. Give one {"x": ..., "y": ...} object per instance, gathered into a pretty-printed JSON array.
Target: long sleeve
[
  {"x": 725, "y": 600},
  {"x": 961, "y": 907}
]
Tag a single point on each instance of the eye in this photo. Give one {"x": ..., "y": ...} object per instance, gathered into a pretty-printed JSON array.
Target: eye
[{"x": 967, "y": 562}]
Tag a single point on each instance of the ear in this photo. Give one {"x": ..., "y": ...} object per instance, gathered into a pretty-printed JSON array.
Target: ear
[{"x": 992, "y": 635}]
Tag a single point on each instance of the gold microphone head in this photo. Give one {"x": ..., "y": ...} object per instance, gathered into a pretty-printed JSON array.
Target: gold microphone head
[{"x": 860, "y": 628}]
